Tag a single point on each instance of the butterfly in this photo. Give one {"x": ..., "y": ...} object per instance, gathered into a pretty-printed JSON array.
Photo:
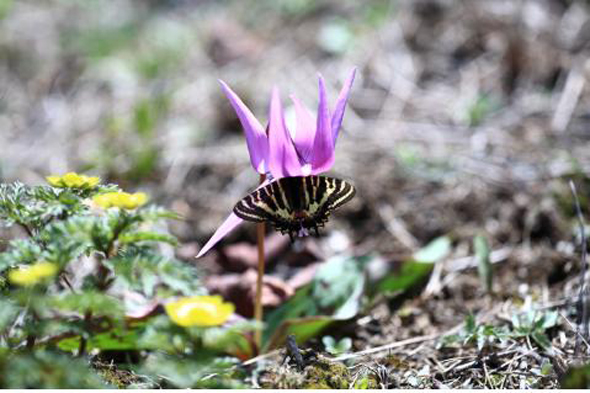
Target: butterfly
[{"x": 295, "y": 205}]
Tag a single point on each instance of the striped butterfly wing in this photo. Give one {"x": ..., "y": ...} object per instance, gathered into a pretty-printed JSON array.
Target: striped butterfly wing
[{"x": 294, "y": 205}]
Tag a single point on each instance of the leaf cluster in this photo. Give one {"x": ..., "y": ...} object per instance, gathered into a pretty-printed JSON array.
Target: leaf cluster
[{"x": 114, "y": 274}]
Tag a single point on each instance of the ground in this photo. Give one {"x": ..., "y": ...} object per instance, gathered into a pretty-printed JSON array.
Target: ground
[{"x": 466, "y": 119}]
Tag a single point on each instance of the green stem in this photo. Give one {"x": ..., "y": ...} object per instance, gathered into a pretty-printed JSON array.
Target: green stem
[{"x": 258, "y": 311}]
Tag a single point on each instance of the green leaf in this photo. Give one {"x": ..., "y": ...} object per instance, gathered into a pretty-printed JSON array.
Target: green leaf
[
  {"x": 21, "y": 251},
  {"x": 576, "y": 378},
  {"x": 415, "y": 270},
  {"x": 550, "y": 319},
  {"x": 335, "y": 36},
  {"x": 329, "y": 342},
  {"x": 230, "y": 339},
  {"x": 188, "y": 372},
  {"x": 142, "y": 270},
  {"x": 541, "y": 339},
  {"x": 98, "y": 304},
  {"x": 411, "y": 274},
  {"x": 46, "y": 370},
  {"x": 336, "y": 347},
  {"x": 118, "y": 339},
  {"x": 8, "y": 313},
  {"x": 135, "y": 237},
  {"x": 302, "y": 328},
  {"x": 154, "y": 213},
  {"x": 470, "y": 324},
  {"x": 546, "y": 367},
  {"x": 434, "y": 251},
  {"x": 334, "y": 294},
  {"x": 484, "y": 266}
]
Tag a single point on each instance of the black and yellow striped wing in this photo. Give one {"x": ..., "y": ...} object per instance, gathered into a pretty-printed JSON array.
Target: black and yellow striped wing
[{"x": 295, "y": 205}]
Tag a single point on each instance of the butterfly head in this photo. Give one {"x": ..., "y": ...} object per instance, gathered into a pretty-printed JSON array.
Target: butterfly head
[{"x": 301, "y": 215}]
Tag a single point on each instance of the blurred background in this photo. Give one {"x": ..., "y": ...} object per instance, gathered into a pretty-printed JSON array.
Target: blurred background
[{"x": 466, "y": 117}]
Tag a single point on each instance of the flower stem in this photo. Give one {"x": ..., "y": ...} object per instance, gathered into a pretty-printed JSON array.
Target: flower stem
[{"x": 258, "y": 314}]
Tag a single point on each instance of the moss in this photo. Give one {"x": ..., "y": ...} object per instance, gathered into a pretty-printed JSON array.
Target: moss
[
  {"x": 367, "y": 382},
  {"x": 320, "y": 374},
  {"x": 114, "y": 376},
  {"x": 324, "y": 374}
]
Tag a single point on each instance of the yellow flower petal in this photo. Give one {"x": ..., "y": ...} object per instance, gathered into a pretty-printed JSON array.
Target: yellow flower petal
[
  {"x": 137, "y": 199},
  {"x": 120, "y": 199},
  {"x": 55, "y": 181},
  {"x": 73, "y": 180},
  {"x": 92, "y": 181},
  {"x": 199, "y": 311},
  {"x": 32, "y": 274}
]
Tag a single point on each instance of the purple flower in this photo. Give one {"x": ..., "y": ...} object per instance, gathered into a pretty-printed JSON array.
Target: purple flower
[{"x": 306, "y": 150}]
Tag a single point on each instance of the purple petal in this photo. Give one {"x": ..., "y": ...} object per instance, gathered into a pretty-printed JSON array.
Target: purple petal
[
  {"x": 283, "y": 160},
  {"x": 338, "y": 114},
  {"x": 305, "y": 131},
  {"x": 255, "y": 134},
  {"x": 228, "y": 225},
  {"x": 323, "y": 144}
]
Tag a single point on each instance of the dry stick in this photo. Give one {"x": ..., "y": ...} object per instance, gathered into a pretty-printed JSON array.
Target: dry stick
[
  {"x": 575, "y": 330},
  {"x": 413, "y": 340},
  {"x": 258, "y": 315},
  {"x": 582, "y": 300}
]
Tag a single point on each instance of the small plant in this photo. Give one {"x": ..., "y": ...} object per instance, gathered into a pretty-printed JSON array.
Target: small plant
[
  {"x": 474, "y": 333},
  {"x": 91, "y": 277},
  {"x": 533, "y": 325},
  {"x": 337, "y": 347},
  {"x": 484, "y": 265}
]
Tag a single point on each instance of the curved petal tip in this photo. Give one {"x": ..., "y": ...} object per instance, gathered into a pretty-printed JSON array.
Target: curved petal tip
[{"x": 228, "y": 225}]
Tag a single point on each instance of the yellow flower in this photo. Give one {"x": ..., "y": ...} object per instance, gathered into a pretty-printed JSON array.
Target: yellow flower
[
  {"x": 73, "y": 180},
  {"x": 120, "y": 199},
  {"x": 199, "y": 311},
  {"x": 33, "y": 274}
]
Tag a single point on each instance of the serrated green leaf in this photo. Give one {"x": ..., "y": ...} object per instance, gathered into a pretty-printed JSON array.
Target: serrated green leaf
[
  {"x": 135, "y": 237},
  {"x": 46, "y": 370},
  {"x": 190, "y": 372},
  {"x": 8, "y": 313},
  {"x": 118, "y": 339},
  {"x": 98, "y": 304}
]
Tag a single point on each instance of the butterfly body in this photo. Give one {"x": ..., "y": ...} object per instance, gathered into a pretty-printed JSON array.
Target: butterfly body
[{"x": 295, "y": 205}]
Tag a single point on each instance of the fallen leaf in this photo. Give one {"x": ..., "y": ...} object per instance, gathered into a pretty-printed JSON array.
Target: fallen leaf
[{"x": 240, "y": 289}]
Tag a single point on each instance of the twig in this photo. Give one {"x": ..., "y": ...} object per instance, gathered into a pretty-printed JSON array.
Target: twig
[
  {"x": 582, "y": 299},
  {"x": 260, "y": 357},
  {"x": 397, "y": 344},
  {"x": 65, "y": 278},
  {"x": 396, "y": 227},
  {"x": 27, "y": 229},
  {"x": 575, "y": 330},
  {"x": 570, "y": 96}
]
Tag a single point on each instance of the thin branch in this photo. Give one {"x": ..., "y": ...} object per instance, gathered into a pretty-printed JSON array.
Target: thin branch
[
  {"x": 66, "y": 280},
  {"x": 397, "y": 344},
  {"x": 27, "y": 229},
  {"x": 582, "y": 299},
  {"x": 575, "y": 330}
]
